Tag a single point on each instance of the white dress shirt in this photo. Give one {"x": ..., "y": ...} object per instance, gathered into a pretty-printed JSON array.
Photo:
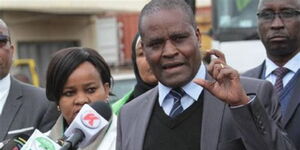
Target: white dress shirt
[
  {"x": 191, "y": 89},
  {"x": 293, "y": 65},
  {"x": 4, "y": 90}
]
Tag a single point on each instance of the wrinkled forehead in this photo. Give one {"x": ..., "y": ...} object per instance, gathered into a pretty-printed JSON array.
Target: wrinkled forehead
[{"x": 278, "y": 4}]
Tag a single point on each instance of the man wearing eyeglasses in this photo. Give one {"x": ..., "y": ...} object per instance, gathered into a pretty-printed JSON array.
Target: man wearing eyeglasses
[
  {"x": 279, "y": 30},
  {"x": 23, "y": 107}
]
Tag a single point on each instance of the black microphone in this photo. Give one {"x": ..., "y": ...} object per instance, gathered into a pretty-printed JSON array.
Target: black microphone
[
  {"x": 87, "y": 124},
  {"x": 15, "y": 143}
]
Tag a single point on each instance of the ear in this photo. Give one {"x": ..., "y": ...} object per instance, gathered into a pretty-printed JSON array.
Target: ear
[
  {"x": 12, "y": 48},
  {"x": 198, "y": 34},
  {"x": 106, "y": 89},
  {"x": 142, "y": 45}
]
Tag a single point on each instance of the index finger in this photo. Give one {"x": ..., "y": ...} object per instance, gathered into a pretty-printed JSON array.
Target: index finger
[{"x": 218, "y": 54}]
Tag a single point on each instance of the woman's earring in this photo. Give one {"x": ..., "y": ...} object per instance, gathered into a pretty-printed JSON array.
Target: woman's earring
[{"x": 58, "y": 108}]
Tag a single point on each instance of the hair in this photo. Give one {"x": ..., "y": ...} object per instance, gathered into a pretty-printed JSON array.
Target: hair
[
  {"x": 4, "y": 25},
  {"x": 65, "y": 61},
  {"x": 157, "y": 5}
]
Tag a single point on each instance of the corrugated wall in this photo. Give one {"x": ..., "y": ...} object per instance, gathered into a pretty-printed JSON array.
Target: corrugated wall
[{"x": 129, "y": 24}]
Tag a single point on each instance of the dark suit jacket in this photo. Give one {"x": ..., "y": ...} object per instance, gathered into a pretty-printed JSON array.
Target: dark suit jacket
[
  {"x": 291, "y": 120},
  {"x": 222, "y": 128},
  {"x": 26, "y": 109}
]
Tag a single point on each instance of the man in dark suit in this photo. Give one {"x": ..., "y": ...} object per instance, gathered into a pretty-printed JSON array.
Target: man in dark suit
[
  {"x": 23, "y": 107},
  {"x": 278, "y": 26},
  {"x": 195, "y": 107}
]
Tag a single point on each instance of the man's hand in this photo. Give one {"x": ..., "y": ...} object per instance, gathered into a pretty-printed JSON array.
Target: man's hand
[{"x": 227, "y": 86}]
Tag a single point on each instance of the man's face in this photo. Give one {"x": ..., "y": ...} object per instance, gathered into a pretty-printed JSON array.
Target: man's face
[
  {"x": 281, "y": 34},
  {"x": 6, "y": 51},
  {"x": 171, "y": 46}
]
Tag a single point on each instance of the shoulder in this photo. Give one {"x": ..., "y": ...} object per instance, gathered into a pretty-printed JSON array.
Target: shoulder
[
  {"x": 116, "y": 106},
  {"x": 28, "y": 92},
  {"x": 254, "y": 72},
  {"x": 140, "y": 103},
  {"x": 150, "y": 94}
]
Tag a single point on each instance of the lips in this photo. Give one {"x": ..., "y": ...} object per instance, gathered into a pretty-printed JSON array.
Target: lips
[
  {"x": 172, "y": 65},
  {"x": 278, "y": 38}
]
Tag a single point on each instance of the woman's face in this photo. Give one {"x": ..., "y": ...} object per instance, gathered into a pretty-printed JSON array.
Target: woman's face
[
  {"x": 143, "y": 66},
  {"x": 83, "y": 86}
]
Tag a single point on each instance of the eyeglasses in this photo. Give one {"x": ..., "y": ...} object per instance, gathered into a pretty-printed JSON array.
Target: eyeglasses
[
  {"x": 285, "y": 14},
  {"x": 3, "y": 40}
]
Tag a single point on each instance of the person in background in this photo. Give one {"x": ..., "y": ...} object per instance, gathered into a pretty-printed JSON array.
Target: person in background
[
  {"x": 143, "y": 74},
  {"x": 195, "y": 106},
  {"x": 78, "y": 76},
  {"x": 278, "y": 28},
  {"x": 23, "y": 108}
]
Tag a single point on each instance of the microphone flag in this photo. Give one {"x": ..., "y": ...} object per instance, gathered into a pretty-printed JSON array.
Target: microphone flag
[{"x": 39, "y": 141}]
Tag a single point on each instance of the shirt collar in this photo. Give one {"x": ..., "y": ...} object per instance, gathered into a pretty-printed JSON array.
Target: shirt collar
[
  {"x": 192, "y": 89},
  {"x": 292, "y": 65},
  {"x": 5, "y": 83}
]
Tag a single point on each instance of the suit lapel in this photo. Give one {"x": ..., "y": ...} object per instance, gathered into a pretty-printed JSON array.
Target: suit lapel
[
  {"x": 145, "y": 110},
  {"x": 11, "y": 107},
  {"x": 293, "y": 104},
  {"x": 213, "y": 110},
  {"x": 256, "y": 72}
]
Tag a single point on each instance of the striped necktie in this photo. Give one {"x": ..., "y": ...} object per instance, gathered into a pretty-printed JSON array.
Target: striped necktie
[
  {"x": 280, "y": 72},
  {"x": 177, "y": 108}
]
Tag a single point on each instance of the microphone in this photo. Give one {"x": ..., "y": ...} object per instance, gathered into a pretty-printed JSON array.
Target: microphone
[
  {"x": 90, "y": 120},
  {"x": 40, "y": 141},
  {"x": 15, "y": 143}
]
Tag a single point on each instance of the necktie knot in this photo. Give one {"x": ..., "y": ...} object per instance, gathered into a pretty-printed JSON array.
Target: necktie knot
[
  {"x": 280, "y": 72},
  {"x": 177, "y": 93}
]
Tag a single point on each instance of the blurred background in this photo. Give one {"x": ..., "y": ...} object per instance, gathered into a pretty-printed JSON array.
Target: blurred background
[{"x": 41, "y": 27}]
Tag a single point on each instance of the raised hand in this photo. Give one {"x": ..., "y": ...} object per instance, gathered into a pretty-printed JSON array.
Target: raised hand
[{"x": 226, "y": 85}]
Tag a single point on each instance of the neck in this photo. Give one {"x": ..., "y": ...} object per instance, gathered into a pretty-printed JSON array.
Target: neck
[{"x": 281, "y": 60}]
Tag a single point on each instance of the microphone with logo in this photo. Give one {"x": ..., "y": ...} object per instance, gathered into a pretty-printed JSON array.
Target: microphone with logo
[
  {"x": 90, "y": 120},
  {"x": 15, "y": 143}
]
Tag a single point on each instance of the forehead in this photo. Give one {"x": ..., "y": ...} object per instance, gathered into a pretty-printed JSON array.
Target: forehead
[
  {"x": 170, "y": 20},
  {"x": 278, "y": 4}
]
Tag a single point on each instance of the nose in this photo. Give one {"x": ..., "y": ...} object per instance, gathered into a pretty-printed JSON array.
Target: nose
[
  {"x": 170, "y": 50},
  {"x": 82, "y": 99},
  {"x": 277, "y": 23}
]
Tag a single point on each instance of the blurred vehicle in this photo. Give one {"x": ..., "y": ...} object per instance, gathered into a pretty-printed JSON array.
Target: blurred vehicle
[
  {"x": 123, "y": 83},
  {"x": 25, "y": 69},
  {"x": 235, "y": 33}
]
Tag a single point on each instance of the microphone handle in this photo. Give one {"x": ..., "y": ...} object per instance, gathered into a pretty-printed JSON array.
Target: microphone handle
[
  {"x": 67, "y": 146},
  {"x": 72, "y": 142}
]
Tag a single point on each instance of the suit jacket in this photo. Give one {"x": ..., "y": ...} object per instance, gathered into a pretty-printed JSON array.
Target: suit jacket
[
  {"x": 26, "y": 109},
  {"x": 248, "y": 127},
  {"x": 290, "y": 121}
]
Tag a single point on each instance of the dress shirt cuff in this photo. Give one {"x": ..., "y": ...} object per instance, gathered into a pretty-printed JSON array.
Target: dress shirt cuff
[{"x": 252, "y": 97}]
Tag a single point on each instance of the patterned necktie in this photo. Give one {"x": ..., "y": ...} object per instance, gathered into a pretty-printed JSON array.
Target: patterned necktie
[
  {"x": 177, "y": 108},
  {"x": 279, "y": 73}
]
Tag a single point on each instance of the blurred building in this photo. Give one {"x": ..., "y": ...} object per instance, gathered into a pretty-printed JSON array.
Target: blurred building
[{"x": 41, "y": 27}]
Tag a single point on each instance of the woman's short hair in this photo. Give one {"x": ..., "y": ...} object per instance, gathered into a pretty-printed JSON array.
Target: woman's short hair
[{"x": 65, "y": 61}]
